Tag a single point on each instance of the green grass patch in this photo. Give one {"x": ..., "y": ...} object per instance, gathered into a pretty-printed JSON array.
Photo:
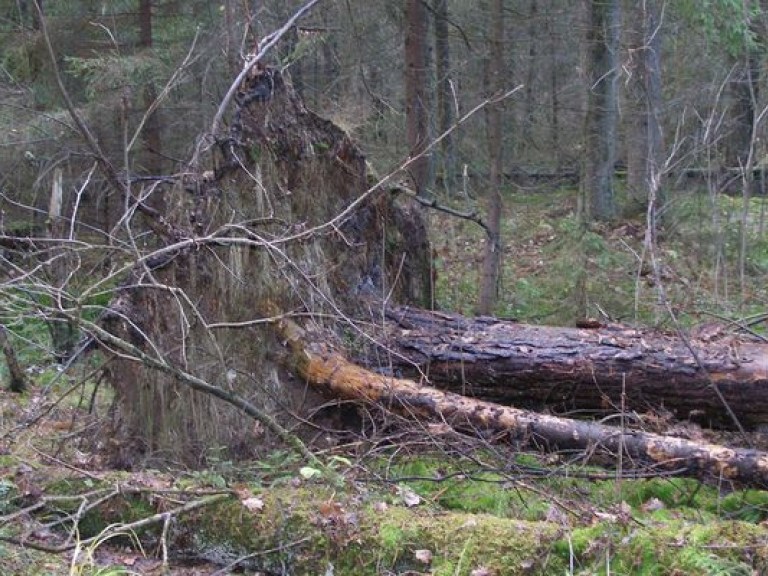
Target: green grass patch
[{"x": 556, "y": 271}]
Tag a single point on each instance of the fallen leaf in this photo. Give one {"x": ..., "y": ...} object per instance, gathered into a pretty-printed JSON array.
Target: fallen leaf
[
  {"x": 330, "y": 509},
  {"x": 605, "y": 516},
  {"x": 652, "y": 505},
  {"x": 253, "y": 504},
  {"x": 242, "y": 491},
  {"x": 410, "y": 498},
  {"x": 424, "y": 556},
  {"x": 307, "y": 472}
]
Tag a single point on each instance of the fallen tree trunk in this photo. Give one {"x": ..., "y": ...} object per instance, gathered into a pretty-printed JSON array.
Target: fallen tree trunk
[
  {"x": 331, "y": 373},
  {"x": 598, "y": 370}
]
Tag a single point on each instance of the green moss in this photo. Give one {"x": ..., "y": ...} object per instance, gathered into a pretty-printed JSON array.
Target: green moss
[
  {"x": 392, "y": 537},
  {"x": 672, "y": 492},
  {"x": 467, "y": 521},
  {"x": 748, "y": 505},
  {"x": 673, "y": 546},
  {"x": 8, "y": 496},
  {"x": 578, "y": 541},
  {"x": 366, "y": 540},
  {"x": 480, "y": 492}
]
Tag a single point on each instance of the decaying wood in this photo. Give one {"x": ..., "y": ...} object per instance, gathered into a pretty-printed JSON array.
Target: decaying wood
[
  {"x": 570, "y": 369},
  {"x": 17, "y": 379},
  {"x": 333, "y": 374},
  {"x": 254, "y": 228}
]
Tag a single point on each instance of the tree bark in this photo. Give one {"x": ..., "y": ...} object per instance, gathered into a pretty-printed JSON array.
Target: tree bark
[
  {"x": 491, "y": 270},
  {"x": 153, "y": 129},
  {"x": 331, "y": 373},
  {"x": 531, "y": 102},
  {"x": 603, "y": 29},
  {"x": 645, "y": 102},
  {"x": 598, "y": 371},
  {"x": 17, "y": 379},
  {"x": 63, "y": 330},
  {"x": 445, "y": 96},
  {"x": 416, "y": 94},
  {"x": 554, "y": 47}
]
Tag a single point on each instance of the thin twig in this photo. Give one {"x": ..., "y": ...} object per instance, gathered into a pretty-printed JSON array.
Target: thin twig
[
  {"x": 435, "y": 205},
  {"x": 119, "y": 528},
  {"x": 228, "y": 568},
  {"x": 131, "y": 352}
]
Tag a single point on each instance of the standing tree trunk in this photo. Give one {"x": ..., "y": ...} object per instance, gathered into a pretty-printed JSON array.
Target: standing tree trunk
[
  {"x": 17, "y": 379},
  {"x": 743, "y": 88},
  {"x": 645, "y": 145},
  {"x": 416, "y": 93},
  {"x": 445, "y": 96},
  {"x": 152, "y": 131},
  {"x": 531, "y": 102},
  {"x": 63, "y": 330},
  {"x": 554, "y": 77},
  {"x": 231, "y": 40},
  {"x": 603, "y": 32},
  {"x": 489, "y": 282}
]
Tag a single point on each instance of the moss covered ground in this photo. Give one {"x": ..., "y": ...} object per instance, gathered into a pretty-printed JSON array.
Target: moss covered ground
[
  {"x": 415, "y": 513},
  {"x": 412, "y": 503}
]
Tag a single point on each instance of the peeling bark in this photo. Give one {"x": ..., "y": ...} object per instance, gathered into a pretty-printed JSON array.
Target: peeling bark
[
  {"x": 331, "y": 373},
  {"x": 586, "y": 369}
]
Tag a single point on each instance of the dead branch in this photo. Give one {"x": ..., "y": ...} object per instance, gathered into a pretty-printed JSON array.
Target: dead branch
[
  {"x": 128, "y": 350},
  {"x": 119, "y": 528}
]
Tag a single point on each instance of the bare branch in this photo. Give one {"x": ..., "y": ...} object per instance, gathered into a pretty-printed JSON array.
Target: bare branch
[{"x": 264, "y": 46}]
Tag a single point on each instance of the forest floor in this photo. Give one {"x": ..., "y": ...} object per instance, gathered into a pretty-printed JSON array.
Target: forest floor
[
  {"x": 554, "y": 272},
  {"x": 416, "y": 499}
]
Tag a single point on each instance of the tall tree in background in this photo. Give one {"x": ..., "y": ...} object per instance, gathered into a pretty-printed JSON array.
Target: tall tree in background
[
  {"x": 748, "y": 120},
  {"x": 445, "y": 96},
  {"x": 600, "y": 131},
  {"x": 555, "y": 81},
  {"x": 416, "y": 92},
  {"x": 489, "y": 282},
  {"x": 152, "y": 133},
  {"x": 746, "y": 54},
  {"x": 531, "y": 97},
  {"x": 230, "y": 37},
  {"x": 645, "y": 145}
]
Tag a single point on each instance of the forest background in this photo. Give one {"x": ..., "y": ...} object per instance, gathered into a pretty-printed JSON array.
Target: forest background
[{"x": 576, "y": 161}]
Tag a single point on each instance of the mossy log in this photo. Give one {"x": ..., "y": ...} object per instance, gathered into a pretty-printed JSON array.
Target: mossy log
[
  {"x": 602, "y": 370},
  {"x": 333, "y": 374}
]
